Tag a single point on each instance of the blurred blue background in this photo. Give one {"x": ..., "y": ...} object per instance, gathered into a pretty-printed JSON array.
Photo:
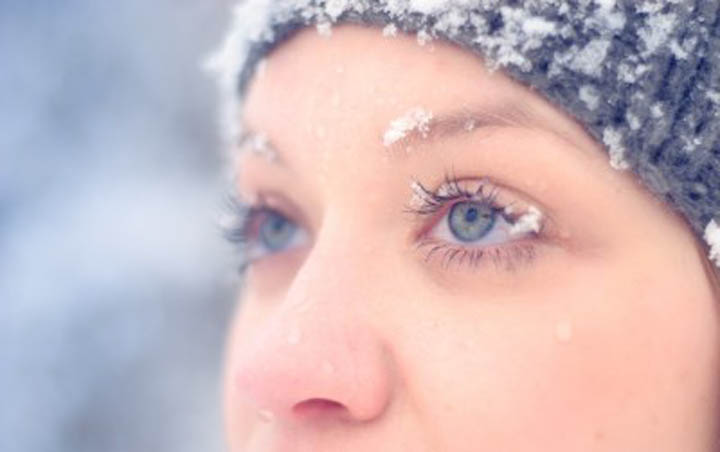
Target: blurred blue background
[{"x": 115, "y": 286}]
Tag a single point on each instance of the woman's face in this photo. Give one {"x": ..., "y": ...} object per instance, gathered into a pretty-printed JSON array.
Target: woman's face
[{"x": 442, "y": 261}]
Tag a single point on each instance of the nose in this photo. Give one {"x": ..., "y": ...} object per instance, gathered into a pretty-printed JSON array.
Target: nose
[{"x": 316, "y": 355}]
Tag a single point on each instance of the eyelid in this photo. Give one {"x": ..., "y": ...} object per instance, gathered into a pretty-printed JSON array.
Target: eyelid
[{"x": 273, "y": 200}]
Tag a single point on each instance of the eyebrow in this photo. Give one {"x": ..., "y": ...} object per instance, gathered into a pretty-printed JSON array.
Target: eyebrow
[
  {"x": 470, "y": 119},
  {"x": 464, "y": 121}
]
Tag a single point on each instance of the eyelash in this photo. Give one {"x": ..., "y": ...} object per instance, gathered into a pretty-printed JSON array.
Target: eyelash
[
  {"x": 429, "y": 203},
  {"x": 236, "y": 221}
]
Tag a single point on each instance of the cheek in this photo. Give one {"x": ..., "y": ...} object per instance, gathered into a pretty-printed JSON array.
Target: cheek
[
  {"x": 613, "y": 358},
  {"x": 644, "y": 360}
]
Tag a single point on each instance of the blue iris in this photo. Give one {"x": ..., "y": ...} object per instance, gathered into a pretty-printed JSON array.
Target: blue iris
[
  {"x": 471, "y": 221},
  {"x": 276, "y": 231}
]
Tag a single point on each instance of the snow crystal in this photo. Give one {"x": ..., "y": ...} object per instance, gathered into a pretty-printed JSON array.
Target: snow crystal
[
  {"x": 691, "y": 144},
  {"x": 423, "y": 37},
  {"x": 677, "y": 50},
  {"x": 656, "y": 110},
  {"x": 614, "y": 141},
  {"x": 652, "y": 7},
  {"x": 334, "y": 8},
  {"x": 324, "y": 29},
  {"x": 417, "y": 200},
  {"x": 529, "y": 222},
  {"x": 632, "y": 120},
  {"x": 606, "y": 5},
  {"x": 451, "y": 21},
  {"x": 390, "y": 31},
  {"x": 606, "y": 17},
  {"x": 714, "y": 96},
  {"x": 590, "y": 96},
  {"x": 522, "y": 31},
  {"x": 712, "y": 237},
  {"x": 537, "y": 26},
  {"x": 430, "y": 6},
  {"x": 656, "y": 32},
  {"x": 416, "y": 119},
  {"x": 567, "y": 31},
  {"x": 631, "y": 73},
  {"x": 521, "y": 25},
  {"x": 480, "y": 23},
  {"x": 590, "y": 58}
]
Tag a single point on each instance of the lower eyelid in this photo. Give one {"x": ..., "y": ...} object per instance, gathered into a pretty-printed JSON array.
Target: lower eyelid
[{"x": 509, "y": 257}]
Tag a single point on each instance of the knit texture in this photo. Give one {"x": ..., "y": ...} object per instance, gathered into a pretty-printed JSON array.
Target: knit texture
[{"x": 643, "y": 76}]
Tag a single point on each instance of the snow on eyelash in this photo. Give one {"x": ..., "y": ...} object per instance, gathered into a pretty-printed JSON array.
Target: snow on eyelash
[
  {"x": 424, "y": 201},
  {"x": 529, "y": 222},
  {"x": 453, "y": 186}
]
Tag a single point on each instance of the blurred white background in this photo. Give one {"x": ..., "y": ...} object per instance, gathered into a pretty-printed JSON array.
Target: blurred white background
[{"x": 115, "y": 286}]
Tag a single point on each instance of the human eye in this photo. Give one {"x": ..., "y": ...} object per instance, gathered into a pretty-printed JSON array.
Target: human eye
[
  {"x": 260, "y": 230},
  {"x": 474, "y": 220}
]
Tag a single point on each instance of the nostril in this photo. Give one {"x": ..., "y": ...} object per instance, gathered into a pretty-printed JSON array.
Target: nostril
[{"x": 318, "y": 407}]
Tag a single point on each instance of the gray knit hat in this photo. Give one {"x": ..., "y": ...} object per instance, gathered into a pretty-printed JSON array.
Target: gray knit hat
[{"x": 643, "y": 76}]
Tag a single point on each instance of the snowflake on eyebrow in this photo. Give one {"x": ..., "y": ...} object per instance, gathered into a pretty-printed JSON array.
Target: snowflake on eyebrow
[{"x": 416, "y": 119}]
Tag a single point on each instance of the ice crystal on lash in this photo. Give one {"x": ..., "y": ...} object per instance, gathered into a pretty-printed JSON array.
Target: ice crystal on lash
[{"x": 531, "y": 221}]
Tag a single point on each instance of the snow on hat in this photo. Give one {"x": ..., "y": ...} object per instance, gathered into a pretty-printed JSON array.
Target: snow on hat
[{"x": 643, "y": 76}]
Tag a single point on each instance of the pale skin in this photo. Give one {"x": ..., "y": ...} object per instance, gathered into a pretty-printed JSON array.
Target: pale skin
[{"x": 601, "y": 335}]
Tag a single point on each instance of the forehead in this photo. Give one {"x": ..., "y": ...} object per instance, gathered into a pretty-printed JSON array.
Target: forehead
[
  {"x": 367, "y": 71},
  {"x": 348, "y": 87}
]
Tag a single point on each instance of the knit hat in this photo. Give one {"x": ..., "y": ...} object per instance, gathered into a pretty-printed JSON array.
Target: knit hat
[{"x": 642, "y": 76}]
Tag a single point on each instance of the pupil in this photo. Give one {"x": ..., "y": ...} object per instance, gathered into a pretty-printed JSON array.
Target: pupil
[
  {"x": 278, "y": 224},
  {"x": 471, "y": 215}
]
